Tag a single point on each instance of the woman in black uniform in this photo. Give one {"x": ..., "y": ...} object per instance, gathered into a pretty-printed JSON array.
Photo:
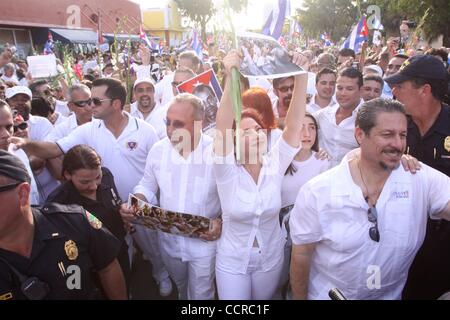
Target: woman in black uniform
[{"x": 92, "y": 186}]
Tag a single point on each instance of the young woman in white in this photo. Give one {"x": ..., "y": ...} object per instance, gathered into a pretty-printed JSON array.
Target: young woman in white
[
  {"x": 303, "y": 168},
  {"x": 250, "y": 251}
]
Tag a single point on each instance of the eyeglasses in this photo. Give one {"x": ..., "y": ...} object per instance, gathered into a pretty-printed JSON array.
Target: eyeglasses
[
  {"x": 98, "y": 102},
  {"x": 372, "y": 215},
  {"x": 22, "y": 126},
  {"x": 9, "y": 186},
  {"x": 177, "y": 124},
  {"x": 82, "y": 103},
  {"x": 286, "y": 88}
]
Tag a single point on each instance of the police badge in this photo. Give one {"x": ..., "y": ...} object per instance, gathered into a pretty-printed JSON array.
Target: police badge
[
  {"x": 71, "y": 250},
  {"x": 447, "y": 144}
]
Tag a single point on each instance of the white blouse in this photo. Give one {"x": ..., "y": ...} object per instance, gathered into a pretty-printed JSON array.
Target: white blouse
[{"x": 250, "y": 211}]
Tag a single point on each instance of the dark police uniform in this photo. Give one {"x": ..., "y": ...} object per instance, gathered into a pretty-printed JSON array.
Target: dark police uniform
[
  {"x": 64, "y": 237},
  {"x": 106, "y": 209},
  {"x": 429, "y": 275}
]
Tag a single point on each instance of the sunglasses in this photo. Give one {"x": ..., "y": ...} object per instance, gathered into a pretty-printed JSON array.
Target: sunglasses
[
  {"x": 22, "y": 126},
  {"x": 82, "y": 103},
  {"x": 374, "y": 233},
  {"x": 175, "y": 123},
  {"x": 286, "y": 88},
  {"x": 142, "y": 90},
  {"x": 9, "y": 186},
  {"x": 98, "y": 102}
]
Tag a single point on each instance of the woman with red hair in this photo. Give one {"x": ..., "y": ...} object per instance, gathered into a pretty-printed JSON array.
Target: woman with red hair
[{"x": 257, "y": 99}]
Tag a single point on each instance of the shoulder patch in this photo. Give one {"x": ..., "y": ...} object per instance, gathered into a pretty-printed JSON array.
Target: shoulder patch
[{"x": 93, "y": 220}]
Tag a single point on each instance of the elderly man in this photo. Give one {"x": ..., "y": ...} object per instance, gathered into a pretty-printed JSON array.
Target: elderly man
[
  {"x": 176, "y": 166},
  {"x": 358, "y": 227}
]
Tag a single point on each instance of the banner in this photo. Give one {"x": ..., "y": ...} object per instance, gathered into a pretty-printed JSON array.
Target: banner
[{"x": 180, "y": 224}]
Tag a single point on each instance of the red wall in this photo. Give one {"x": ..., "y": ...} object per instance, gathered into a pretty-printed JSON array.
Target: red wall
[{"x": 53, "y": 13}]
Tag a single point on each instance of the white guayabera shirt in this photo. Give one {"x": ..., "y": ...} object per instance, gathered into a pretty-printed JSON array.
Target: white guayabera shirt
[{"x": 330, "y": 211}]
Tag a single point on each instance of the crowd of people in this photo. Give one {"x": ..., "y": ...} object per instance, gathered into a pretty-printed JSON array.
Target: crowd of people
[{"x": 339, "y": 177}]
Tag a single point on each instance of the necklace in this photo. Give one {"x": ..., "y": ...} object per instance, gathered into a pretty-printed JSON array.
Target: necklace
[{"x": 365, "y": 185}]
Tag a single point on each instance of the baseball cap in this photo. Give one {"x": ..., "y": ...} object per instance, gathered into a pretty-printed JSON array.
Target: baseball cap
[
  {"x": 420, "y": 66},
  {"x": 11, "y": 92},
  {"x": 375, "y": 68},
  {"x": 144, "y": 80}
]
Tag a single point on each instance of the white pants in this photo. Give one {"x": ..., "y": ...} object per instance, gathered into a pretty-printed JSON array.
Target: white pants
[
  {"x": 254, "y": 285},
  {"x": 194, "y": 279},
  {"x": 148, "y": 242}
]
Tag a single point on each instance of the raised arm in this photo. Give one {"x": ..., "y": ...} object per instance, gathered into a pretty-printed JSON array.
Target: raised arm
[
  {"x": 296, "y": 111},
  {"x": 224, "y": 119},
  {"x": 40, "y": 149}
]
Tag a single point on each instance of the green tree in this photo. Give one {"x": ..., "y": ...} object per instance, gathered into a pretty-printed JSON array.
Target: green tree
[
  {"x": 434, "y": 24},
  {"x": 198, "y": 11},
  {"x": 335, "y": 17}
]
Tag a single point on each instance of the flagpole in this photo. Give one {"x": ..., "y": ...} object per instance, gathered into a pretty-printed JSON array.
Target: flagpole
[{"x": 235, "y": 86}]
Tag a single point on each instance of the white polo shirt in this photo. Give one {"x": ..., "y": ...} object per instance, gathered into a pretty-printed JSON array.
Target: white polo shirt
[
  {"x": 313, "y": 107},
  {"x": 185, "y": 185},
  {"x": 125, "y": 156},
  {"x": 39, "y": 128},
  {"x": 155, "y": 118},
  {"x": 63, "y": 129},
  {"x": 336, "y": 139},
  {"x": 331, "y": 211},
  {"x": 251, "y": 210}
]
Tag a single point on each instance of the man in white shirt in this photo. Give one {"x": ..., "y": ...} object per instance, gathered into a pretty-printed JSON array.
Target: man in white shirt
[
  {"x": 358, "y": 226},
  {"x": 180, "y": 169},
  {"x": 6, "y": 131},
  {"x": 19, "y": 98},
  {"x": 337, "y": 123},
  {"x": 325, "y": 86},
  {"x": 79, "y": 96},
  {"x": 146, "y": 108}
]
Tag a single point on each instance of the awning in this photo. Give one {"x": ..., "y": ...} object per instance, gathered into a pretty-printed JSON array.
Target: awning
[
  {"x": 121, "y": 37},
  {"x": 75, "y": 35}
]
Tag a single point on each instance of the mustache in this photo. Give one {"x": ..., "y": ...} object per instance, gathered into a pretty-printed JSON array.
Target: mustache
[{"x": 393, "y": 150}]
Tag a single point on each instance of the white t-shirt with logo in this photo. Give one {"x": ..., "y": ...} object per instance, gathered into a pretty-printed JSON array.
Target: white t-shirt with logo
[{"x": 125, "y": 156}]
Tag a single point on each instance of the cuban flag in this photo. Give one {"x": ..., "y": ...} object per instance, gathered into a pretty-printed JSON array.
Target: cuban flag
[
  {"x": 197, "y": 45},
  {"x": 360, "y": 34},
  {"x": 151, "y": 44},
  {"x": 327, "y": 39},
  {"x": 275, "y": 21},
  {"x": 49, "y": 45},
  {"x": 295, "y": 28},
  {"x": 206, "y": 78}
]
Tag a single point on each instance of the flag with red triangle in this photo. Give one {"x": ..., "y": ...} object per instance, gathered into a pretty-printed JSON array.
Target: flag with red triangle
[{"x": 206, "y": 87}]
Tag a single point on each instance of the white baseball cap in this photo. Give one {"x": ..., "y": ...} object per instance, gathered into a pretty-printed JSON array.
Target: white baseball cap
[
  {"x": 144, "y": 80},
  {"x": 11, "y": 92},
  {"x": 376, "y": 69}
]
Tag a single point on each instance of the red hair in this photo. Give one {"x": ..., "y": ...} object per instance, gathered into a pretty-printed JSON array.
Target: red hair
[{"x": 258, "y": 99}]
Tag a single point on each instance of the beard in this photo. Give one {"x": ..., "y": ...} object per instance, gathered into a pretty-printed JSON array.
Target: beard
[
  {"x": 388, "y": 166},
  {"x": 145, "y": 101}
]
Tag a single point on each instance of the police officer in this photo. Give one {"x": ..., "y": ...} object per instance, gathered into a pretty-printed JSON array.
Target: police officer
[
  {"x": 421, "y": 86},
  {"x": 50, "y": 252}
]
